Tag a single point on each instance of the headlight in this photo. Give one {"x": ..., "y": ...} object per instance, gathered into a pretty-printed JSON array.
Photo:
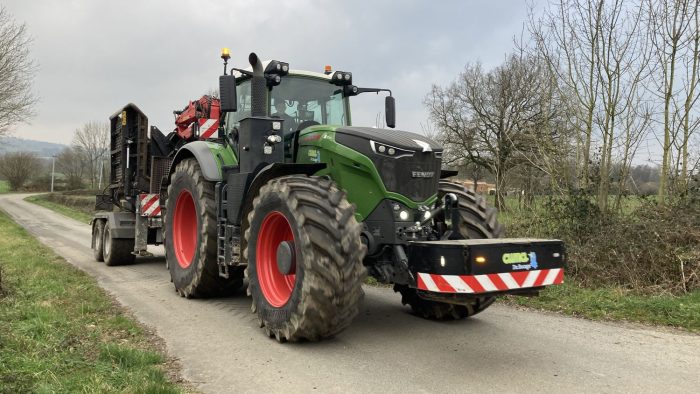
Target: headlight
[
  {"x": 403, "y": 215},
  {"x": 391, "y": 151}
]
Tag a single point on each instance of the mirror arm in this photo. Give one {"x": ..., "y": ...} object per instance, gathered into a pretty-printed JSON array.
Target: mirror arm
[
  {"x": 372, "y": 90},
  {"x": 244, "y": 72}
]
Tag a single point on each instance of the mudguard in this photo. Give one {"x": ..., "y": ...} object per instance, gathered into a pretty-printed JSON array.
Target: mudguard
[
  {"x": 210, "y": 156},
  {"x": 243, "y": 187},
  {"x": 121, "y": 224}
]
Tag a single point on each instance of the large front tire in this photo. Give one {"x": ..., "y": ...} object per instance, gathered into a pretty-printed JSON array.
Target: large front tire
[
  {"x": 477, "y": 220},
  {"x": 190, "y": 235},
  {"x": 304, "y": 257}
]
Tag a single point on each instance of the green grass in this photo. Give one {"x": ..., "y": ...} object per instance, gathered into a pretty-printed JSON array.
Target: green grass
[
  {"x": 616, "y": 304},
  {"x": 4, "y": 187},
  {"x": 60, "y": 208},
  {"x": 59, "y": 332}
]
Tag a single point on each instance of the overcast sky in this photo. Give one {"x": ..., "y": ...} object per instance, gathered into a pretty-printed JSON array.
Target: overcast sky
[{"x": 96, "y": 56}]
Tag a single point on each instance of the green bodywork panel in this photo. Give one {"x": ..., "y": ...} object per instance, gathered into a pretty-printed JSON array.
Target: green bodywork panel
[
  {"x": 223, "y": 154},
  {"x": 351, "y": 170}
]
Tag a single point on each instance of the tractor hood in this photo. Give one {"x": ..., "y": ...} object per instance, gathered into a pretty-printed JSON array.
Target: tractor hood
[
  {"x": 394, "y": 138},
  {"x": 408, "y": 163}
]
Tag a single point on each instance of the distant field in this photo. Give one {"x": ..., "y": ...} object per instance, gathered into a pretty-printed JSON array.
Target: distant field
[
  {"x": 76, "y": 206},
  {"x": 4, "y": 187},
  {"x": 516, "y": 211}
]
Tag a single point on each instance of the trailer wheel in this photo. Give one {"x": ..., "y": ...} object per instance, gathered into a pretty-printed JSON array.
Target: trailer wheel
[
  {"x": 98, "y": 229},
  {"x": 477, "y": 221},
  {"x": 191, "y": 238},
  {"x": 116, "y": 251},
  {"x": 304, "y": 257}
]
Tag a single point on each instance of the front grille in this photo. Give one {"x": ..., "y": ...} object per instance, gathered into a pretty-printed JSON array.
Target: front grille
[{"x": 397, "y": 174}]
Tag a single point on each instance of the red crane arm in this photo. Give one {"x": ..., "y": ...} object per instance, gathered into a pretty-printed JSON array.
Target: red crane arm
[{"x": 199, "y": 118}]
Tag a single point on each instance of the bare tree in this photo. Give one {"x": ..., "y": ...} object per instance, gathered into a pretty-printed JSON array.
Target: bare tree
[
  {"x": 489, "y": 118},
  {"x": 17, "y": 71},
  {"x": 91, "y": 141},
  {"x": 669, "y": 22},
  {"x": 70, "y": 163},
  {"x": 621, "y": 69},
  {"x": 691, "y": 95},
  {"x": 18, "y": 168},
  {"x": 567, "y": 37},
  {"x": 599, "y": 53}
]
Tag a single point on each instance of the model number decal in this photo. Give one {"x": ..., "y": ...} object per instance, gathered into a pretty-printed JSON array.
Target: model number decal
[{"x": 422, "y": 174}]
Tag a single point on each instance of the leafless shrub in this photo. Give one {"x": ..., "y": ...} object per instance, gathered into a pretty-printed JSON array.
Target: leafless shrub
[
  {"x": 652, "y": 250},
  {"x": 18, "y": 168}
]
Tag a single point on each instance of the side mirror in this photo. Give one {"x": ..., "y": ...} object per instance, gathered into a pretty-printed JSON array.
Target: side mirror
[
  {"x": 390, "y": 111},
  {"x": 227, "y": 91}
]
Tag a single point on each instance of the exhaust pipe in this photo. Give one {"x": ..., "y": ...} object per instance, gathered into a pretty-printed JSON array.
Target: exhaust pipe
[{"x": 258, "y": 87}]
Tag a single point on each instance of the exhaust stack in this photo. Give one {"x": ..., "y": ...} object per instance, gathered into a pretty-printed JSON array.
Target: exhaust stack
[{"x": 258, "y": 87}]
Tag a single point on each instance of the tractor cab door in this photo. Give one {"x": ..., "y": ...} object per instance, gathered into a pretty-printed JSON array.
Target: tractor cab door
[{"x": 233, "y": 119}]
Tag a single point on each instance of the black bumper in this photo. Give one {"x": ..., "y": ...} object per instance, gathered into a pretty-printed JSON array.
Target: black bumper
[{"x": 482, "y": 266}]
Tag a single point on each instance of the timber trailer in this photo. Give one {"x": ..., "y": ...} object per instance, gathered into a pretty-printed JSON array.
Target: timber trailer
[{"x": 270, "y": 188}]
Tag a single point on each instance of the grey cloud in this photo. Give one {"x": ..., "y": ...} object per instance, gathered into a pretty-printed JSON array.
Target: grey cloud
[{"x": 95, "y": 56}]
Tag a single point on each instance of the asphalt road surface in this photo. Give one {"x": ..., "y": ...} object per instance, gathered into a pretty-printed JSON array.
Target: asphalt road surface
[{"x": 387, "y": 349}]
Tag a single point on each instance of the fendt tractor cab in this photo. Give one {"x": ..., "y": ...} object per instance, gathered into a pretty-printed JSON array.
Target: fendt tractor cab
[{"x": 270, "y": 187}]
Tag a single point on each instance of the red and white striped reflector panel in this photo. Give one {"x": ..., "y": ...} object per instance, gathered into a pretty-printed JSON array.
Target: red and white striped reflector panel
[
  {"x": 207, "y": 127},
  {"x": 150, "y": 205},
  {"x": 475, "y": 284}
]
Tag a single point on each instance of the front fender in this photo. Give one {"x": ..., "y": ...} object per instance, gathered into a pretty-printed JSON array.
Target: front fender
[{"x": 210, "y": 156}]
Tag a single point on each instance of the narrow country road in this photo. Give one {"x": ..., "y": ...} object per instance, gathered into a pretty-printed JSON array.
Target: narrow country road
[{"x": 387, "y": 349}]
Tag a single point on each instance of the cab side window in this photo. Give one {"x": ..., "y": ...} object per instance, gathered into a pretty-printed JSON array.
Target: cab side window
[{"x": 233, "y": 119}]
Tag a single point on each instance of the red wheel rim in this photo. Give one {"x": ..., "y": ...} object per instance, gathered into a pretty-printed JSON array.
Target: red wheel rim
[
  {"x": 276, "y": 286},
  {"x": 184, "y": 229}
]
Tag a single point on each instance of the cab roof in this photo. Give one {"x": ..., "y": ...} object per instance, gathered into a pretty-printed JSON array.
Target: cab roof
[{"x": 304, "y": 73}]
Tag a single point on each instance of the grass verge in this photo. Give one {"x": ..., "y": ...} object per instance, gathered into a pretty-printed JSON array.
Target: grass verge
[
  {"x": 614, "y": 304},
  {"x": 59, "y": 332},
  {"x": 72, "y": 213},
  {"x": 4, "y": 187}
]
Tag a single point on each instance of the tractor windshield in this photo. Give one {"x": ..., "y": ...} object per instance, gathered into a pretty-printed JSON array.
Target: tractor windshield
[{"x": 304, "y": 101}]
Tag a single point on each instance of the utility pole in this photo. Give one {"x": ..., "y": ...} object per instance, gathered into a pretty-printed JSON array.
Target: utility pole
[
  {"x": 53, "y": 170},
  {"x": 102, "y": 170}
]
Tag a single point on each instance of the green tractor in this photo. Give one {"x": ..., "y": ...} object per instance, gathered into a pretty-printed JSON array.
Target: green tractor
[{"x": 270, "y": 188}]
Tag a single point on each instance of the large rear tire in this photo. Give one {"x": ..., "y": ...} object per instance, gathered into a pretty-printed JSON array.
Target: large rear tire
[
  {"x": 190, "y": 235},
  {"x": 117, "y": 251},
  {"x": 304, "y": 257},
  {"x": 477, "y": 221}
]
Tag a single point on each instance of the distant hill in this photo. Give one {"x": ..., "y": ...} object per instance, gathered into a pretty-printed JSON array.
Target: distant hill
[{"x": 41, "y": 148}]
